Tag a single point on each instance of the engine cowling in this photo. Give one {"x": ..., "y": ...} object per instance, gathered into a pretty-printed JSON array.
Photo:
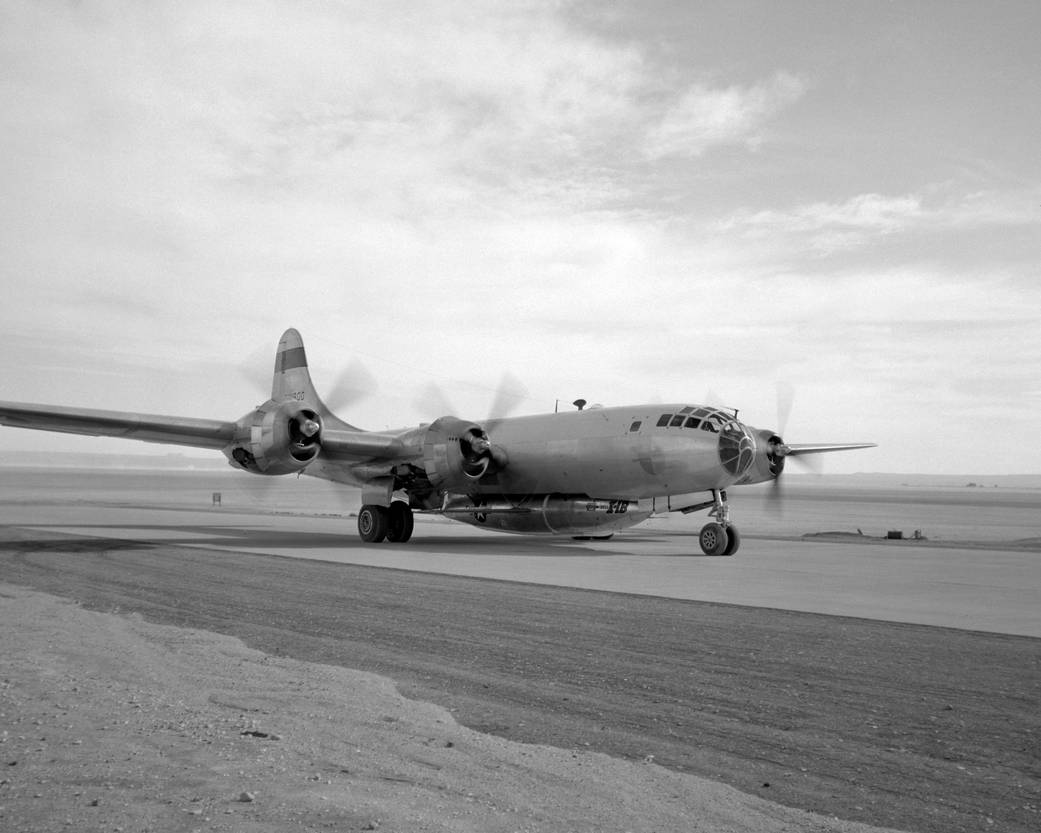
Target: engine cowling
[
  {"x": 767, "y": 462},
  {"x": 277, "y": 438},
  {"x": 458, "y": 453}
]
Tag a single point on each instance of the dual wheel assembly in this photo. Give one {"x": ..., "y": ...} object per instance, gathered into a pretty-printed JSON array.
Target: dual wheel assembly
[
  {"x": 392, "y": 523},
  {"x": 716, "y": 539}
]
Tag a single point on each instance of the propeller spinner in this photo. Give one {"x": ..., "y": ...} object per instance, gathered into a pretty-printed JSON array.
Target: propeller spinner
[{"x": 778, "y": 451}]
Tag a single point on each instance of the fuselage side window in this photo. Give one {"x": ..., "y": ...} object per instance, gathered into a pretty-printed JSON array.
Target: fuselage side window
[
  {"x": 635, "y": 426},
  {"x": 664, "y": 420}
]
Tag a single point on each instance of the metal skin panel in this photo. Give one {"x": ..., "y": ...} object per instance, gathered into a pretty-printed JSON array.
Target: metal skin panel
[{"x": 594, "y": 453}]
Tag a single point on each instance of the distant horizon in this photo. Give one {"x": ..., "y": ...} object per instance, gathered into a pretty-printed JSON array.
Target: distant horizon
[{"x": 217, "y": 462}]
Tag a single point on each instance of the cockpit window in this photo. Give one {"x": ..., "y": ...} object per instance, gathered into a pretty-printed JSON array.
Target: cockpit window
[
  {"x": 736, "y": 448},
  {"x": 713, "y": 421},
  {"x": 707, "y": 419}
]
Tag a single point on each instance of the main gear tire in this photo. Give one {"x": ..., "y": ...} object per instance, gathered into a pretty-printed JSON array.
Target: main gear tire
[
  {"x": 372, "y": 523},
  {"x": 400, "y": 522}
]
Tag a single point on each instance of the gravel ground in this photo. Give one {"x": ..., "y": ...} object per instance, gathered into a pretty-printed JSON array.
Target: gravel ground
[
  {"x": 119, "y": 724},
  {"x": 910, "y": 727}
]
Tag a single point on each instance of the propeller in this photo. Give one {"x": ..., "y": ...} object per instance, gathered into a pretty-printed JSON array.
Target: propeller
[
  {"x": 255, "y": 370},
  {"x": 775, "y": 497},
  {"x": 805, "y": 455},
  {"x": 508, "y": 396},
  {"x": 785, "y": 400},
  {"x": 775, "y": 494},
  {"x": 433, "y": 402},
  {"x": 351, "y": 385},
  {"x": 479, "y": 449},
  {"x": 779, "y": 451}
]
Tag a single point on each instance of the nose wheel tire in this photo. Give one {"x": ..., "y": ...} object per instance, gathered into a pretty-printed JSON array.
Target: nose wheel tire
[
  {"x": 372, "y": 523},
  {"x": 733, "y": 540},
  {"x": 715, "y": 540}
]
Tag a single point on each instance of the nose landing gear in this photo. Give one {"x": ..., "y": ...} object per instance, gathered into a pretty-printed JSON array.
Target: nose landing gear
[{"x": 719, "y": 537}]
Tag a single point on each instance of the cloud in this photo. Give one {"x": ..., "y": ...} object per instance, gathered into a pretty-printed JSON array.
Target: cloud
[
  {"x": 189, "y": 155},
  {"x": 871, "y": 212},
  {"x": 829, "y": 226},
  {"x": 860, "y": 219},
  {"x": 706, "y": 116}
]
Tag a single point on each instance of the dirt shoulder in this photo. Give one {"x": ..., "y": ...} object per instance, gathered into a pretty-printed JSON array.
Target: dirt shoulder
[{"x": 108, "y": 722}]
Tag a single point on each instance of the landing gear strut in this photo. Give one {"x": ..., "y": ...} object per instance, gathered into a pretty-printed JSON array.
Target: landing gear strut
[
  {"x": 719, "y": 537},
  {"x": 393, "y": 523}
]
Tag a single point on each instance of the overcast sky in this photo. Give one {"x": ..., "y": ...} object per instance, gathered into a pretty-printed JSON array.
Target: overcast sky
[{"x": 624, "y": 201}]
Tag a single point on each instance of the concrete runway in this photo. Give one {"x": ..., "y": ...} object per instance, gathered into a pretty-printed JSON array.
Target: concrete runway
[{"x": 993, "y": 589}]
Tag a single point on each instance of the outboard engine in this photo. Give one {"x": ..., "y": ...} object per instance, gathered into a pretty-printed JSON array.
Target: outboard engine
[{"x": 276, "y": 438}]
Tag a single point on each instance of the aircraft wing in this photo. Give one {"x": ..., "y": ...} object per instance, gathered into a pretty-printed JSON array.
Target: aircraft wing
[
  {"x": 337, "y": 443},
  {"x": 351, "y": 444},
  {"x": 197, "y": 433}
]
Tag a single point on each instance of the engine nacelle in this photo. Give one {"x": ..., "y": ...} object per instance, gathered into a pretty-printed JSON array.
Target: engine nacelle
[
  {"x": 550, "y": 514},
  {"x": 457, "y": 453},
  {"x": 766, "y": 464},
  {"x": 276, "y": 438}
]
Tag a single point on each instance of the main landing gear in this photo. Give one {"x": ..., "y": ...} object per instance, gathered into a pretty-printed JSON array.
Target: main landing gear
[
  {"x": 719, "y": 537},
  {"x": 392, "y": 523}
]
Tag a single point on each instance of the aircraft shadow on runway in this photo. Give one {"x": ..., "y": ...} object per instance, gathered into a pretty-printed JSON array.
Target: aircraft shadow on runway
[{"x": 235, "y": 536}]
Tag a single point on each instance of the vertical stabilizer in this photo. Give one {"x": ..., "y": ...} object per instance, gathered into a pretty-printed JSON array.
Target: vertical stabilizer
[{"x": 292, "y": 379}]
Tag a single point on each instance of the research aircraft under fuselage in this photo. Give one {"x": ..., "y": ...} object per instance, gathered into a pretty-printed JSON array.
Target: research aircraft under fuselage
[{"x": 585, "y": 473}]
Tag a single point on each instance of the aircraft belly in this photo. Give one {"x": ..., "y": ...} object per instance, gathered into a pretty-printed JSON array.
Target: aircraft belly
[{"x": 550, "y": 514}]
